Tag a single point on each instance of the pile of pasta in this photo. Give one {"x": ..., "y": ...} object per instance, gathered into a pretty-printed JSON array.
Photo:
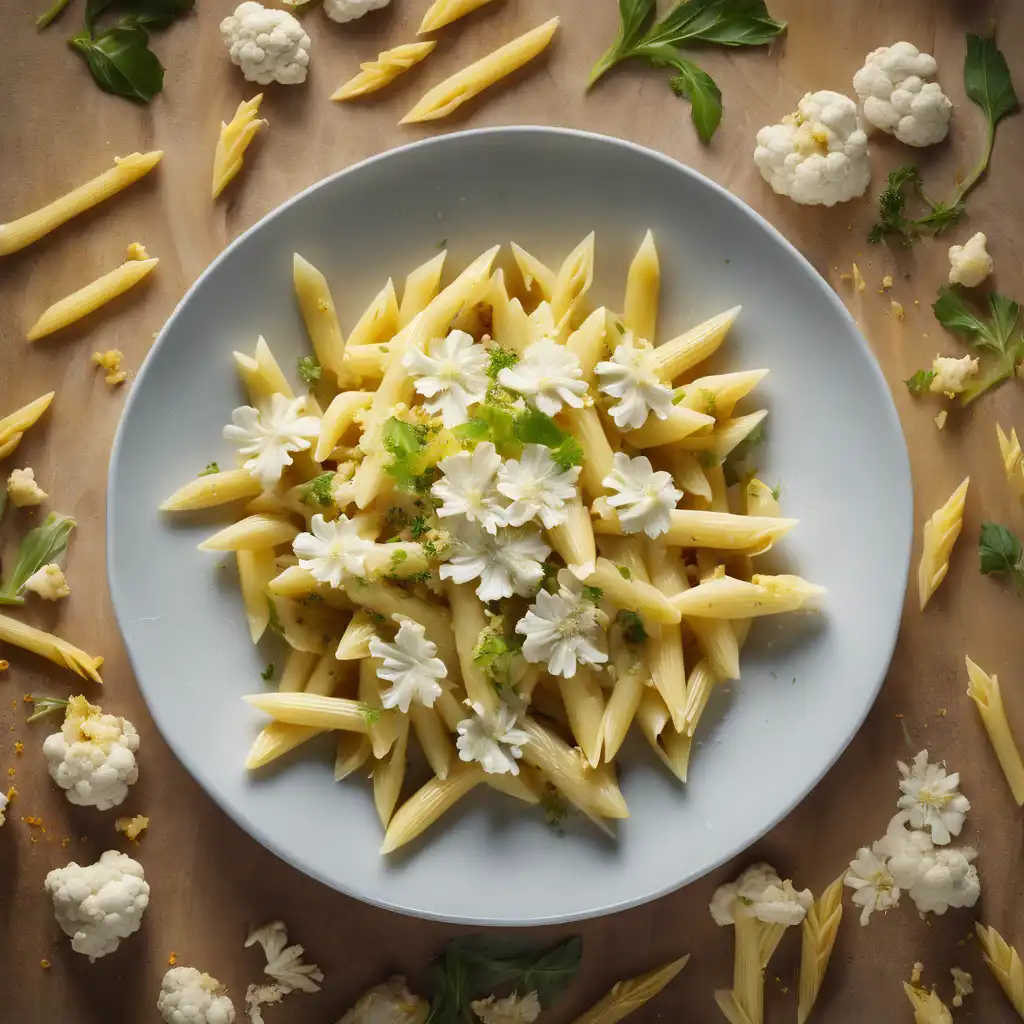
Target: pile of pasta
[{"x": 678, "y": 606}]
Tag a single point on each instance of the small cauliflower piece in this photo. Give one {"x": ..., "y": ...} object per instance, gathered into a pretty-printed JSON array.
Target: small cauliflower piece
[
  {"x": 93, "y": 756},
  {"x": 188, "y": 996},
  {"x": 512, "y": 1009},
  {"x": 817, "y": 155},
  {"x": 23, "y": 490},
  {"x": 3, "y": 807},
  {"x": 268, "y": 45},
  {"x": 132, "y": 827},
  {"x": 970, "y": 263},
  {"x": 99, "y": 904},
  {"x": 348, "y": 10},
  {"x": 48, "y": 582},
  {"x": 952, "y": 374},
  {"x": 390, "y": 1003},
  {"x": 111, "y": 362},
  {"x": 896, "y": 97}
]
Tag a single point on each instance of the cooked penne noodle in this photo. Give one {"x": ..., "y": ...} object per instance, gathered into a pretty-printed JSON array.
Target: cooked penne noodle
[
  {"x": 686, "y": 470},
  {"x": 819, "y": 930},
  {"x": 728, "y": 598},
  {"x": 8, "y": 446},
  {"x": 53, "y": 648},
  {"x": 428, "y": 804},
  {"x": 14, "y": 425},
  {"x": 420, "y": 288},
  {"x": 306, "y": 626},
  {"x": 451, "y": 708},
  {"x": 534, "y": 273},
  {"x": 261, "y": 374},
  {"x": 510, "y": 326},
  {"x": 450, "y": 94},
  {"x": 319, "y": 315},
  {"x": 355, "y": 641},
  {"x": 655, "y": 721},
  {"x": 234, "y": 140},
  {"x": 383, "y": 723},
  {"x": 297, "y": 670},
  {"x": 213, "y": 489},
  {"x": 631, "y": 594},
  {"x": 444, "y": 12},
  {"x": 585, "y": 426},
  {"x": 584, "y": 706},
  {"x": 627, "y": 553},
  {"x": 939, "y": 536},
  {"x": 587, "y": 343},
  {"x": 255, "y": 571},
  {"x": 367, "y": 362},
  {"x": 353, "y": 752},
  {"x": 574, "y": 539},
  {"x": 527, "y": 786},
  {"x": 631, "y": 678},
  {"x": 389, "y": 774},
  {"x": 574, "y": 279},
  {"x": 434, "y": 738},
  {"x": 127, "y": 170},
  {"x": 627, "y": 996},
  {"x": 684, "y": 352},
  {"x": 93, "y": 296},
  {"x": 313, "y": 709},
  {"x": 300, "y": 584},
  {"x": 680, "y": 423},
  {"x": 984, "y": 690},
  {"x": 726, "y": 435},
  {"x": 340, "y": 415},
  {"x": 468, "y": 623},
  {"x": 379, "y": 321},
  {"x": 1004, "y": 963},
  {"x": 718, "y": 394},
  {"x": 694, "y": 528},
  {"x": 761, "y": 500},
  {"x": 702, "y": 681},
  {"x": 375, "y": 74},
  {"x": 1013, "y": 460},
  {"x": 643, "y": 283},
  {"x": 252, "y": 533}
]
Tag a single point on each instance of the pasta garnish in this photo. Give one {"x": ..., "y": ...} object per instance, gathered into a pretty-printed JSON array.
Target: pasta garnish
[
  {"x": 625, "y": 997},
  {"x": 820, "y": 928},
  {"x": 984, "y": 690},
  {"x": 375, "y": 74},
  {"x": 940, "y": 534},
  {"x": 234, "y": 140}
]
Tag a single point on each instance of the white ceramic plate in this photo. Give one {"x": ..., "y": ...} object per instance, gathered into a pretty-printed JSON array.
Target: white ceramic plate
[{"x": 834, "y": 442}]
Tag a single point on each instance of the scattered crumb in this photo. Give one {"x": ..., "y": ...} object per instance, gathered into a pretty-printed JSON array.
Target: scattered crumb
[
  {"x": 34, "y": 820},
  {"x": 940, "y": 420},
  {"x": 19, "y": 747},
  {"x": 45, "y": 964},
  {"x": 915, "y": 974},
  {"x": 111, "y": 362},
  {"x": 963, "y": 983},
  {"x": 942, "y": 712},
  {"x": 4, "y": 665},
  {"x": 917, "y": 302},
  {"x": 785, "y": 990},
  {"x": 887, "y": 282},
  {"x": 896, "y": 309},
  {"x": 65, "y": 843},
  {"x": 11, "y": 794},
  {"x": 858, "y": 280},
  {"x": 10, "y": 771},
  {"x": 28, "y": 698},
  {"x": 899, "y": 714},
  {"x": 132, "y": 827},
  {"x": 137, "y": 251},
  {"x": 173, "y": 958}
]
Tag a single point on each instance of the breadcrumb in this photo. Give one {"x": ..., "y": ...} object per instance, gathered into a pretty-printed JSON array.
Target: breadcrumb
[
  {"x": 4, "y": 665},
  {"x": 915, "y": 974},
  {"x": 19, "y": 747},
  {"x": 896, "y": 309},
  {"x": 137, "y": 251},
  {"x": 963, "y": 984},
  {"x": 173, "y": 958},
  {"x": 940, "y": 420},
  {"x": 132, "y": 827},
  {"x": 111, "y": 362},
  {"x": 887, "y": 282},
  {"x": 45, "y": 964}
]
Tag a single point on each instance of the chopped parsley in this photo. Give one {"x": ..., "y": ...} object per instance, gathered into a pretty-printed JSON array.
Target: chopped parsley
[
  {"x": 501, "y": 359},
  {"x": 399, "y": 556},
  {"x": 624, "y": 572},
  {"x": 274, "y": 622},
  {"x": 632, "y": 626},
  {"x": 920, "y": 382},
  {"x": 397, "y": 517},
  {"x": 593, "y": 594},
  {"x": 268, "y": 673},
  {"x": 310, "y": 370},
  {"x": 371, "y": 715},
  {"x": 419, "y": 526},
  {"x": 319, "y": 490},
  {"x": 211, "y": 468}
]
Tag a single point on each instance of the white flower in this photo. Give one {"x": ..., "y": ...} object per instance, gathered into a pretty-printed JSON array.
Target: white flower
[
  {"x": 507, "y": 563},
  {"x": 563, "y": 629},
  {"x": 451, "y": 375},
  {"x": 948, "y": 878},
  {"x": 410, "y": 667},
  {"x": 270, "y": 436},
  {"x": 782, "y": 904},
  {"x": 631, "y": 376},
  {"x": 643, "y": 497},
  {"x": 284, "y": 962},
  {"x": 548, "y": 376},
  {"x": 510, "y": 1010},
  {"x": 332, "y": 549},
  {"x": 492, "y": 739},
  {"x": 467, "y": 487},
  {"x": 538, "y": 487},
  {"x": 932, "y": 799},
  {"x": 904, "y": 849},
  {"x": 952, "y": 374},
  {"x": 873, "y": 884}
]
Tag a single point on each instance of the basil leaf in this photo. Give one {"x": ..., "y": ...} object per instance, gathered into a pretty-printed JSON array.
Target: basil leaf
[
  {"x": 39, "y": 547},
  {"x": 634, "y": 17},
  {"x": 121, "y": 62},
  {"x": 987, "y": 79},
  {"x": 725, "y": 22},
  {"x": 1000, "y": 551},
  {"x": 920, "y": 382},
  {"x": 697, "y": 86},
  {"x": 552, "y": 973},
  {"x": 534, "y": 427},
  {"x": 157, "y": 13},
  {"x": 93, "y": 9}
]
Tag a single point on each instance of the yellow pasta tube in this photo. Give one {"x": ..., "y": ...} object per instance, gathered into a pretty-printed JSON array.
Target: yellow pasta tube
[
  {"x": 627, "y": 553},
  {"x": 433, "y": 737},
  {"x": 252, "y": 533},
  {"x": 307, "y": 627},
  {"x": 420, "y": 288},
  {"x": 940, "y": 534},
  {"x": 375, "y": 74},
  {"x": 1004, "y": 963},
  {"x": 353, "y": 751},
  {"x": 631, "y": 594},
  {"x": 233, "y": 141},
  {"x": 680, "y": 423},
  {"x": 87, "y": 300},
  {"x": 718, "y": 394},
  {"x": 587, "y": 343},
  {"x": 574, "y": 539},
  {"x": 444, "y": 12},
  {"x": 717, "y": 637},
  {"x": 928, "y": 1007},
  {"x": 255, "y": 571},
  {"x": 584, "y": 706},
  {"x": 367, "y": 362},
  {"x": 727, "y": 434},
  {"x": 299, "y": 584},
  {"x": 297, "y": 671},
  {"x": 585, "y": 426},
  {"x": 389, "y": 774},
  {"x": 761, "y": 500},
  {"x": 319, "y": 315},
  {"x": 640, "y": 312},
  {"x": 379, "y": 321},
  {"x": 695, "y": 528},
  {"x": 355, "y": 641},
  {"x": 527, "y": 786},
  {"x": 340, "y": 415},
  {"x": 534, "y": 273},
  {"x": 19, "y": 233},
  {"x": 314, "y": 710},
  {"x": 14, "y": 425},
  {"x": 450, "y": 94},
  {"x": 698, "y": 689},
  {"x": 686, "y": 470},
  {"x": 682, "y": 353},
  {"x": 626, "y": 997},
  {"x": 510, "y": 326},
  {"x": 729, "y": 598},
  {"x": 212, "y": 489},
  {"x": 261, "y": 374},
  {"x": 1013, "y": 460},
  {"x": 51, "y": 647},
  {"x": 383, "y": 723},
  {"x": 428, "y": 804},
  {"x": 575, "y": 276},
  {"x": 631, "y": 678},
  {"x": 819, "y": 930},
  {"x": 468, "y": 622},
  {"x": 984, "y": 690}
]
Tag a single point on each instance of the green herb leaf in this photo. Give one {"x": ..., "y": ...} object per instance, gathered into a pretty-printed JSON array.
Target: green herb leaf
[
  {"x": 419, "y": 526},
  {"x": 696, "y": 85},
  {"x": 725, "y": 22},
  {"x": 268, "y": 673},
  {"x": 274, "y": 624},
  {"x": 593, "y": 594},
  {"x": 310, "y": 370},
  {"x": 634, "y": 18},
  {"x": 51, "y": 13},
  {"x": 632, "y": 626},
  {"x": 534, "y": 427},
  {"x": 319, "y": 490},
  {"x": 148, "y": 13},
  {"x": 624, "y": 572},
  {"x": 45, "y": 544},
  {"x": 987, "y": 79},
  {"x": 999, "y": 551},
  {"x": 404, "y": 442},
  {"x": 371, "y": 715},
  {"x": 43, "y": 706},
  {"x": 569, "y": 453},
  {"x": 211, "y": 468},
  {"x": 920, "y": 382},
  {"x": 500, "y": 359},
  {"x": 121, "y": 62},
  {"x": 892, "y": 205}
]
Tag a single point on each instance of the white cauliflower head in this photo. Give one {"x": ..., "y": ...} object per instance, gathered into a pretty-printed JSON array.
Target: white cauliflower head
[
  {"x": 390, "y": 1003},
  {"x": 99, "y": 904},
  {"x": 348, "y": 10},
  {"x": 896, "y": 97},
  {"x": 23, "y": 489},
  {"x": 760, "y": 893},
  {"x": 817, "y": 155},
  {"x": 3, "y": 806},
  {"x": 512, "y": 1009},
  {"x": 970, "y": 263},
  {"x": 948, "y": 878},
  {"x": 188, "y": 996},
  {"x": 93, "y": 756},
  {"x": 268, "y": 45},
  {"x": 48, "y": 582},
  {"x": 952, "y": 374}
]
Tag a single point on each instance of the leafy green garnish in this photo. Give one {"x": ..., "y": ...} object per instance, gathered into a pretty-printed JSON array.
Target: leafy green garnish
[
  {"x": 508, "y": 433},
  {"x": 45, "y": 544},
  {"x": 211, "y": 468},
  {"x": 43, "y": 706},
  {"x": 496, "y": 648},
  {"x": 399, "y": 556},
  {"x": 920, "y": 382},
  {"x": 999, "y": 551},
  {"x": 419, "y": 526},
  {"x": 371, "y": 715},
  {"x": 555, "y": 809},
  {"x": 718, "y": 22},
  {"x": 310, "y": 370},
  {"x": 549, "y": 581},
  {"x": 736, "y": 466},
  {"x": 989, "y": 86},
  {"x": 268, "y": 673},
  {"x": 992, "y": 335},
  {"x": 632, "y": 626},
  {"x": 500, "y": 359},
  {"x": 405, "y": 443},
  {"x": 593, "y": 594},
  {"x": 624, "y": 572},
  {"x": 274, "y": 623},
  {"x": 319, "y": 490}
]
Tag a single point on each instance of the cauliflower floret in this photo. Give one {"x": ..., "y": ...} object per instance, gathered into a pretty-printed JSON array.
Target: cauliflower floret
[
  {"x": 23, "y": 489},
  {"x": 970, "y": 263},
  {"x": 48, "y": 582},
  {"x": 99, "y": 904},
  {"x": 760, "y": 893},
  {"x": 390, "y": 1003},
  {"x": 268, "y": 45},
  {"x": 952, "y": 374},
  {"x": 188, "y": 996},
  {"x": 817, "y": 155},
  {"x": 348, "y": 10},
  {"x": 3, "y": 807},
  {"x": 510, "y": 1010},
  {"x": 93, "y": 756},
  {"x": 948, "y": 878},
  {"x": 895, "y": 97}
]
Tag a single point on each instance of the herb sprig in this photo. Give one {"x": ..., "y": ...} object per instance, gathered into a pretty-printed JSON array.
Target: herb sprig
[
  {"x": 999, "y": 551},
  {"x": 39, "y": 547},
  {"x": 719, "y": 22}
]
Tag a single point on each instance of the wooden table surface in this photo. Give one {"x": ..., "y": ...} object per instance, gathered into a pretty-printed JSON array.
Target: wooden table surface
[{"x": 211, "y": 882}]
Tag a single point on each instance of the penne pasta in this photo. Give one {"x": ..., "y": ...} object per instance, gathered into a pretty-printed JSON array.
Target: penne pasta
[
  {"x": 686, "y": 350},
  {"x": 1005, "y": 964},
  {"x": 718, "y": 394},
  {"x": 420, "y": 288},
  {"x": 340, "y": 415},
  {"x": 352, "y": 753},
  {"x": 574, "y": 539},
  {"x": 383, "y": 723},
  {"x": 628, "y": 554},
  {"x": 375, "y": 74},
  {"x": 366, "y": 362},
  {"x": 299, "y": 584},
  {"x": 355, "y": 641},
  {"x": 761, "y": 499},
  {"x": 655, "y": 721},
  {"x": 729, "y": 598},
  {"x": 233, "y": 141},
  {"x": 252, "y": 533},
  {"x": 389, "y": 774},
  {"x": 428, "y": 804},
  {"x": 379, "y": 322},
  {"x": 693, "y": 528},
  {"x": 680, "y": 423},
  {"x": 312, "y": 709},
  {"x": 727, "y": 434},
  {"x": 587, "y": 343},
  {"x": 53, "y": 648},
  {"x": 434, "y": 738},
  {"x": 261, "y": 374},
  {"x": 687, "y": 472},
  {"x": 573, "y": 280},
  {"x": 702, "y": 681},
  {"x": 320, "y": 316},
  {"x": 628, "y": 996},
  {"x": 255, "y": 571},
  {"x": 584, "y": 706},
  {"x": 93, "y": 296},
  {"x": 585, "y": 426},
  {"x": 17, "y": 234},
  {"x": 450, "y": 94},
  {"x": 819, "y": 930},
  {"x": 14, "y": 425},
  {"x": 306, "y": 626},
  {"x": 527, "y": 786},
  {"x": 631, "y": 679},
  {"x": 1013, "y": 460},
  {"x": 510, "y": 326},
  {"x": 717, "y": 638},
  {"x": 984, "y": 690},
  {"x": 643, "y": 283},
  {"x": 468, "y": 623},
  {"x": 631, "y": 594},
  {"x": 212, "y": 489},
  {"x": 444, "y": 12},
  {"x": 534, "y": 273},
  {"x": 939, "y": 536}
]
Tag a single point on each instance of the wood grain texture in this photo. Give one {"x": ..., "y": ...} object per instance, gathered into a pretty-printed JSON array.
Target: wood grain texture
[{"x": 210, "y": 881}]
